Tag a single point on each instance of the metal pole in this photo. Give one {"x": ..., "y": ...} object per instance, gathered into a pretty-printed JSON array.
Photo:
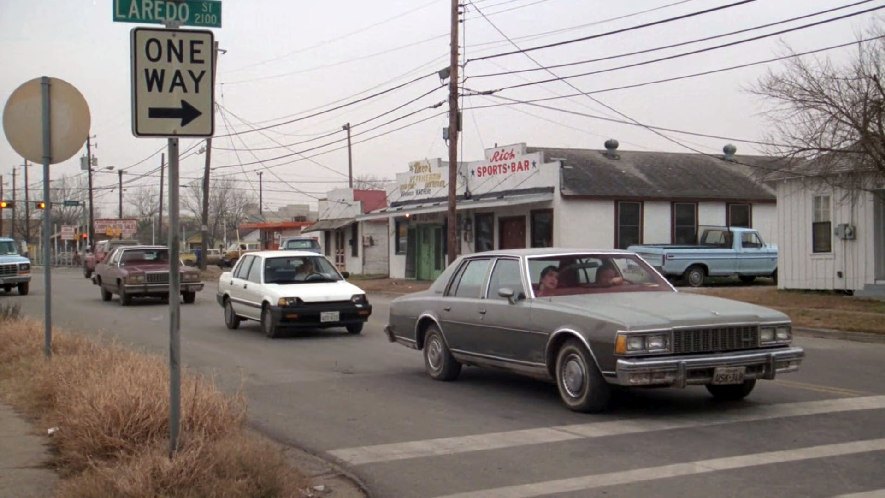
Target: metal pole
[
  {"x": 174, "y": 304},
  {"x": 2, "y": 212},
  {"x": 160, "y": 222},
  {"x": 27, "y": 210},
  {"x": 349, "y": 157},
  {"x": 12, "y": 227},
  {"x": 120, "y": 183},
  {"x": 47, "y": 229},
  {"x": 89, "y": 175},
  {"x": 453, "y": 135},
  {"x": 260, "y": 195}
]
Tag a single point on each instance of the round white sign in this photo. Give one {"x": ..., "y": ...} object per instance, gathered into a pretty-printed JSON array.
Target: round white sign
[{"x": 69, "y": 120}]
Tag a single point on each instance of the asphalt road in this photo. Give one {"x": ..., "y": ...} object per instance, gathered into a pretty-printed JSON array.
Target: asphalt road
[{"x": 367, "y": 404}]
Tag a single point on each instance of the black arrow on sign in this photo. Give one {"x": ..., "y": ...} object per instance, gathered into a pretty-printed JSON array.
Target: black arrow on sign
[{"x": 186, "y": 112}]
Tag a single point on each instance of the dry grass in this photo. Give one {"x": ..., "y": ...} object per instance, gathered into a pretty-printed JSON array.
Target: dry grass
[
  {"x": 825, "y": 310},
  {"x": 111, "y": 406}
]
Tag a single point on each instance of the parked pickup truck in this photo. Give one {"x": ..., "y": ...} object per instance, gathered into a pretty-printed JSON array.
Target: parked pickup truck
[
  {"x": 100, "y": 252},
  {"x": 15, "y": 269},
  {"x": 142, "y": 271},
  {"x": 720, "y": 252}
]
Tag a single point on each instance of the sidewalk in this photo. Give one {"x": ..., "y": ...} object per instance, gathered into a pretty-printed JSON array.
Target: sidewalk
[{"x": 23, "y": 460}]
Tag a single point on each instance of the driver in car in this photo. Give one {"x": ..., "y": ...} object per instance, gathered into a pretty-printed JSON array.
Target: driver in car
[{"x": 305, "y": 270}]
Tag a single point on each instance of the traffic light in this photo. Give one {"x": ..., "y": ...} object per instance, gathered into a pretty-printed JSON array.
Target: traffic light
[
  {"x": 40, "y": 204},
  {"x": 84, "y": 235},
  {"x": 6, "y": 204}
]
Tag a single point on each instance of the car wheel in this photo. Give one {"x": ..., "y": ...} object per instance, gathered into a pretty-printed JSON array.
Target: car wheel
[
  {"x": 581, "y": 386},
  {"x": 7, "y": 288},
  {"x": 355, "y": 328},
  {"x": 125, "y": 299},
  {"x": 189, "y": 297},
  {"x": 270, "y": 329},
  {"x": 694, "y": 275},
  {"x": 438, "y": 361},
  {"x": 231, "y": 320},
  {"x": 748, "y": 279},
  {"x": 105, "y": 294},
  {"x": 774, "y": 276},
  {"x": 732, "y": 392},
  {"x": 23, "y": 288},
  {"x": 86, "y": 272}
]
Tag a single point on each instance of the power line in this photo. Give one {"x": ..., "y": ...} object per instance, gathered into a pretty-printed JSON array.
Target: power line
[
  {"x": 613, "y": 32},
  {"x": 680, "y": 44}
]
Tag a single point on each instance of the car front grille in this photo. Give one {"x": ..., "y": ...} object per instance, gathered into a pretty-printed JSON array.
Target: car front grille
[
  {"x": 156, "y": 278},
  {"x": 8, "y": 270},
  {"x": 715, "y": 339}
]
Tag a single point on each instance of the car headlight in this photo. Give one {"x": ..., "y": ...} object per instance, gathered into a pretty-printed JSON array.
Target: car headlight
[
  {"x": 359, "y": 299},
  {"x": 289, "y": 301},
  {"x": 766, "y": 334},
  {"x": 135, "y": 279},
  {"x": 639, "y": 343},
  {"x": 24, "y": 268},
  {"x": 191, "y": 277},
  {"x": 775, "y": 334}
]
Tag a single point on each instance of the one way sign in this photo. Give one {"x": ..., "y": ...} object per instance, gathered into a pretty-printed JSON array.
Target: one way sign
[{"x": 173, "y": 87}]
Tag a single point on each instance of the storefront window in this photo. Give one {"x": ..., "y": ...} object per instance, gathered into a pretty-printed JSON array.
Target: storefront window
[
  {"x": 401, "y": 238},
  {"x": 485, "y": 231},
  {"x": 542, "y": 228}
]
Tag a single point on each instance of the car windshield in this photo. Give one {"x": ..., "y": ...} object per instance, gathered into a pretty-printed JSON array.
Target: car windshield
[
  {"x": 301, "y": 244},
  {"x": 7, "y": 248},
  {"x": 143, "y": 256},
  {"x": 572, "y": 274},
  {"x": 299, "y": 270}
]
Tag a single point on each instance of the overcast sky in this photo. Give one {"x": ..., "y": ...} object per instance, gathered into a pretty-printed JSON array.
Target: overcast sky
[{"x": 285, "y": 59}]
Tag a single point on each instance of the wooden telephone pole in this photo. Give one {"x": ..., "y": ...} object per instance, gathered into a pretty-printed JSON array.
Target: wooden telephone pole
[{"x": 453, "y": 136}]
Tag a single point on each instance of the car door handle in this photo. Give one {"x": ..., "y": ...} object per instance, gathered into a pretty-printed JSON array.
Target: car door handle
[
  {"x": 245, "y": 286},
  {"x": 447, "y": 308},
  {"x": 482, "y": 312}
]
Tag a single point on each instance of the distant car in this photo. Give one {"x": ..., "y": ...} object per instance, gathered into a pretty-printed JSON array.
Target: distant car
[
  {"x": 302, "y": 244},
  {"x": 291, "y": 290},
  {"x": 142, "y": 271},
  {"x": 101, "y": 251},
  {"x": 15, "y": 269},
  {"x": 63, "y": 258},
  {"x": 234, "y": 251},
  {"x": 611, "y": 320}
]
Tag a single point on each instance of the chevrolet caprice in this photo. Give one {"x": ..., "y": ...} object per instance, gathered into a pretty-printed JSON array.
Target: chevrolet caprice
[{"x": 612, "y": 320}]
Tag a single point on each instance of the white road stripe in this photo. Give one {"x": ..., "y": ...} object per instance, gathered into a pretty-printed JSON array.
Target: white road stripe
[
  {"x": 497, "y": 440},
  {"x": 680, "y": 469},
  {"x": 876, "y": 493}
]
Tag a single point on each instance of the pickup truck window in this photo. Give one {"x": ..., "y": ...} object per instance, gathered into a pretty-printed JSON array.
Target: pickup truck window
[{"x": 750, "y": 240}]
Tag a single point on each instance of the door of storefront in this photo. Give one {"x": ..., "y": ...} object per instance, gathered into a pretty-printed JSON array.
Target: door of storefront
[
  {"x": 430, "y": 254},
  {"x": 339, "y": 249},
  {"x": 512, "y": 235}
]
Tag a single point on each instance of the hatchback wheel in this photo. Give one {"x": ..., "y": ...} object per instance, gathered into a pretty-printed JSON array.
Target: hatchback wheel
[
  {"x": 355, "y": 328},
  {"x": 270, "y": 329},
  {"x": 438, "y": 361},
  {"x": 581, "y": 386},
  {"x": 231, "y": 320}
]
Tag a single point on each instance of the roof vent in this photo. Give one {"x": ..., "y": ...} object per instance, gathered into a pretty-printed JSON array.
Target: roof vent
[
  {"x": 611, "y": 146},
  {"x": 729, "y": 151}
]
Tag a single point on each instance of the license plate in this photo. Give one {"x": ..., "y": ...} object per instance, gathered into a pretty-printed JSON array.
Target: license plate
[
  {"x": 728, "y": 375},
  {"x": 329, "y": 316}
]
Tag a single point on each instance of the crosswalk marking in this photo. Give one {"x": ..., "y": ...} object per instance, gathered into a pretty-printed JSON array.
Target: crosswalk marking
[
  {"x": 498, "y": 440},
  {"x": 680, "y": 469}
]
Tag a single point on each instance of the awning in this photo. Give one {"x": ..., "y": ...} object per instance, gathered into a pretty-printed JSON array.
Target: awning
[
  {"x": 436, "y": 207},
  {"x": 328, "y": 225}
]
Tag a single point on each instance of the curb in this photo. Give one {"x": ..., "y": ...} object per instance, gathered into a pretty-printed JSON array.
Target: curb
[{"x": 840, "y": 334}]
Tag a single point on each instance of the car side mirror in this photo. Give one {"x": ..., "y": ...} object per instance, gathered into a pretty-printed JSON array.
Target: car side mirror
[
  {"x": 508, "y": 293},
  {"x": 345, "y": 274}
]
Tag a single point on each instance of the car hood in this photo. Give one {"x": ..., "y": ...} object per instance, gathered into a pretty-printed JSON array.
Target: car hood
[
  {"x": 314, "y": 292},
  {"x": 152, "y": 268},
  {"x": 642, "y": 310},
  {"x": 13, "y": 258}
]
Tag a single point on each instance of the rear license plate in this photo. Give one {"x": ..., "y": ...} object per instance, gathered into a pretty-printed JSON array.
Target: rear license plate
[
  {"x": 329, "y": 316},
  {"x": 728, "y": 375}
]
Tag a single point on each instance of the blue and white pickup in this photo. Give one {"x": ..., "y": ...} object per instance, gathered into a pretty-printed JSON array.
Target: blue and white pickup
[
  {"x": 15, "y": 269},
  {"x": 721, "y": 252}
]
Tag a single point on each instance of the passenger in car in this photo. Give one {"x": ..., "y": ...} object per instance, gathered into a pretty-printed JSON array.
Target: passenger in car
[
  {"x": 549, "y": 281},
  {"x": 607, "y": 276}
]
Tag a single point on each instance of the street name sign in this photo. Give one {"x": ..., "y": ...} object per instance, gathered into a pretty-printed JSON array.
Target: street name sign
[
  {"x": 199, "y": 13},
  {"x": 173, "y": 87},
  {"x": 69, "y": 203}
]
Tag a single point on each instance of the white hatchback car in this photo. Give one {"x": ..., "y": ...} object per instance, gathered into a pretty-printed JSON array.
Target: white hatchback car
[{"x": 291, "y": 290}]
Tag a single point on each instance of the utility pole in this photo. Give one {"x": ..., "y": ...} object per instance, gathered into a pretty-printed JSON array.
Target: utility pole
[
  {"x": 260, "y": 195},
  {"x": 453, "y": 135},
  {"x": 12, "y": 223},
  {"x": 27, "y": 211},
  {"x": 204, "y": 219},
  {"x": 349, "y": 156},
  {"x": 2, "y": 212},
  {"x": 89, "y": 175},
  {"x": 120, "y": 188},
  {"x": 162, "y": 168}
]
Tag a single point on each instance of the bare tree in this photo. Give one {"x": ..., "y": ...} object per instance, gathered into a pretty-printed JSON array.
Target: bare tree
[
  {"x": 68, "y": 188},
  {"x": 371, "y": 182},
  {"x": 831, "y": 114},
  {"x": 228, "y": 204}
]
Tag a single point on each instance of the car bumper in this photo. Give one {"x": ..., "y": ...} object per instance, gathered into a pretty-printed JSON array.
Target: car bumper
[
  {"x": 317, "y": 315},
  {"x": 159, "y": 289},
  {"x": 682, "y": 371},
  {"x": 14, "y": 279}
]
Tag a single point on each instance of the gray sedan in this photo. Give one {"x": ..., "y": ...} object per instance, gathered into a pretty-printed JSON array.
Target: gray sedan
[{"x": 588, "y": 320}]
